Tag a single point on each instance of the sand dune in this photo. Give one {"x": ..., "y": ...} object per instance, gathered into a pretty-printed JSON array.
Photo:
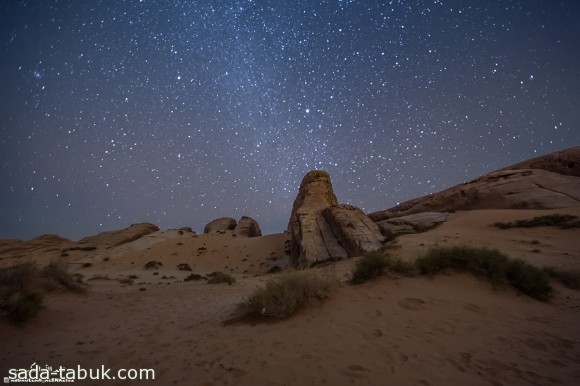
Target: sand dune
[{"x": 450, "y": 330}]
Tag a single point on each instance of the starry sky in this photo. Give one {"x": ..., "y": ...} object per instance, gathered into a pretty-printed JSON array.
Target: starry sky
[{"x": 177, "y": 112}]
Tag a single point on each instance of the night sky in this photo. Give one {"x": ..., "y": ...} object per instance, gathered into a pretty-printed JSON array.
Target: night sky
[{"x": 178, "y": 112}]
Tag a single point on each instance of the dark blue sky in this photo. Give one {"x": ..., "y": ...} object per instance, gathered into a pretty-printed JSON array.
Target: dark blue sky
[{"x": 178, "y": 112}]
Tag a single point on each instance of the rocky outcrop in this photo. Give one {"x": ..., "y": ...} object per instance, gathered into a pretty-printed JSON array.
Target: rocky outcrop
[
  {"x": 221, "y": 224},
  {"x": 247, "y": 227},
  {"x": 41, "y": 244},
  {"x": 112, "y": 239},
  {"x": 413, "y": 223},
  {"x": 323, "y": 230},
  {"x": 311, "y": 237},
  {"x": 565, "y": 162},
  {"x": 315, "y": 193},
  {"x": 354, "y": 231},
  {"x": 547, "y": 182}
]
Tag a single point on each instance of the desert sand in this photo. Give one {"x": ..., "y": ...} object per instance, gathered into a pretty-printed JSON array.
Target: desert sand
[{"x": 453, "y": 329}]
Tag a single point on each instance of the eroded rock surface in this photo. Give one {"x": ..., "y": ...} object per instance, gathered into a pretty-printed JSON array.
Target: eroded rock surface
[
  {"x": 547, "y": 182},
  {"x": 413, "y": 223},
  {"x": 115, "y": 238},
  {"x": 354, "y": 231}
]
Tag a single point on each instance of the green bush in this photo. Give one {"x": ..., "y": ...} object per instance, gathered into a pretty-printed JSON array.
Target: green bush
[
  {"x": 490, "y": 264},
  {"x": 530, "y": 280},
  {"x": 375, "y": 264},
  {"x": 286, "y": 294},
  {"x": 562, "y": 221},
  {"x": 370, "y": 266},
  {"x": 220, "y": 277}
]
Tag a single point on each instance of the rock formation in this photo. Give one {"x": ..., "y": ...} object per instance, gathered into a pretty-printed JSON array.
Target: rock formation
[
  {"x": 221, "y": 224},
  {"x": 247, "y": 227},
  {"x": 112, "y": 239},
  {"x": 41, "y": 244},
  {"x": 355, "y": 232},
  {"x": 550, "y": 181},
  {"x": 565, "y": 162},
  {"x": 322, "y": 230},
  {"x": 413, "y": 223}
]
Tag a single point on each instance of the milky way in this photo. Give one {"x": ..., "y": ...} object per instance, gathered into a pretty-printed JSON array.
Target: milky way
[{"x": 179, "y": 112}]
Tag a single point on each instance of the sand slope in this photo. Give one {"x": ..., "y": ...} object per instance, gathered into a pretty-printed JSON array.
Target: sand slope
[{"x": 450, "y": 330}]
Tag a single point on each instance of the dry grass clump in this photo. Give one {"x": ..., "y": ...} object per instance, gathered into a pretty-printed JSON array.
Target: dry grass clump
[
  {"x": 220, "y": 277},
  {"x": 285, "y": 295},
  {"x": 58, "y": 271},
  {"x": 17, "y": 302},
  {"x": 22, "y": 287}
]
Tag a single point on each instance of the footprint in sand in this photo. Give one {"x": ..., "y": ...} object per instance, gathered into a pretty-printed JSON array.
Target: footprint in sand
[
  {"x": 355, "y": 372},
  {"x": 460, "y": 360},
  {"x": 473, "y": 308},
  {"x": 411, "y": 303}
]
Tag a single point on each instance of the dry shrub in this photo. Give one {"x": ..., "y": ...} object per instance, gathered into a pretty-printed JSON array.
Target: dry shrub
[
  {"x": 220, "y": 277},
  {"x": 285, "y": 295},
  {"x": 16, "y": 301},
  {"x": 58, "y": 271}
]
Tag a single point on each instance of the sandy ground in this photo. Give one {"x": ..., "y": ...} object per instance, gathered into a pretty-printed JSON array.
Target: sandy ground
[{"x": 449, "y": 330}]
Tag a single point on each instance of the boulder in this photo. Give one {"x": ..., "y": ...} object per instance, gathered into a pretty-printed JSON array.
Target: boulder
[
  {"x": 221, "y": 224},
  {"x": 247, "y": 227},
  {"x": 355, "y": 232}
]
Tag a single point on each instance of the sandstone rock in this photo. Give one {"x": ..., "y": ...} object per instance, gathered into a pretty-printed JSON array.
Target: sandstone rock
[
  {"x": 565, "y": 162},
  {"x": 247, "y": 227},
  {"x": 547, "y": 182},
  {"x": 413, "y": 223},
  {"x": 315, "y": 193},
  {"x": 322, "y": 230},
  {"x": 115, "y": 238},
  {"x": 41, "y": 244},
  {"x": 312, "y": 239},
  {"x": 355, "y": 232},
  {"x": 387, "y": 228},
  {"x": 421, "y": 222},
  {"x": 221, "y": 224}
]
